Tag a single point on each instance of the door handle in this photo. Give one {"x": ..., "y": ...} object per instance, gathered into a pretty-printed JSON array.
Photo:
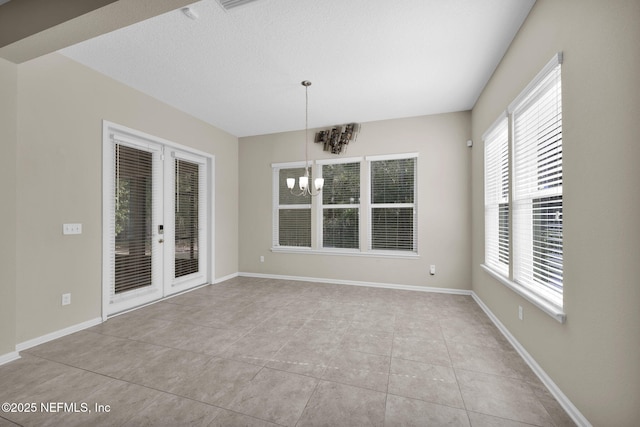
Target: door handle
[{"x": 160, "y": 240}]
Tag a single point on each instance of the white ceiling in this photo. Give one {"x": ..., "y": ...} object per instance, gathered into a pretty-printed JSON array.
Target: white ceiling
[{"x": 240, "y": 70}]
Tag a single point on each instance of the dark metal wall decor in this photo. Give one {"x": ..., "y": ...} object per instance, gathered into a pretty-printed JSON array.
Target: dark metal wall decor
[{"x": 337, "y": 138}]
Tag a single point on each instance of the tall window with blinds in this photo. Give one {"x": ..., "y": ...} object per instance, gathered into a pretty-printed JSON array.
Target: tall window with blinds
[
  {"x": 537, "y": 192},
  {"x": 341, "y": 205},
  {"x": 496, "y": 196},
  {"x": 293, "y": 214},
  {"x": 393, "y": 204},
  {"x": 523, "y": 193}
]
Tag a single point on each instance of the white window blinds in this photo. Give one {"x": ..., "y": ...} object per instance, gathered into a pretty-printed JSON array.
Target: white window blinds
[
  {"x": 537, "y": 192},
  {"x": 341, "y": 205},
  {"x": 393, "y": 208},
  {"x": 496, "y": 196}
]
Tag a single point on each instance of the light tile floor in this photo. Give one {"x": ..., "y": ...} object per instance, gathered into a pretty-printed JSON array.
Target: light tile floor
[{"x": 259, "y": 352}]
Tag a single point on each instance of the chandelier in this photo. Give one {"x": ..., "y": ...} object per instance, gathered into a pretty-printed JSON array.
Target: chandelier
[{"x": 303, "y": 181}]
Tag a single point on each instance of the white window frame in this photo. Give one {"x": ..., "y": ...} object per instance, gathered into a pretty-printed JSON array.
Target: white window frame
[
  {"x": 276, "y": 168},
  {"x": 550, "y": 302},
  {"x": 364, "y": 211},
  {"x": 370, "y": 206}
]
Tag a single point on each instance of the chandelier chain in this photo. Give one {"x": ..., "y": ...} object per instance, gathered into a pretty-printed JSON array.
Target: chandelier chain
[
  {"x": 306, "y": 125},
  {"x": 305, "y": 189}
]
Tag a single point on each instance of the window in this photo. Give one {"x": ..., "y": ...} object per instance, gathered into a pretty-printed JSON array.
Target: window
[
  {"x": 528, "y": 199},
  {"x": 393, "y": 208},
  {"x": 293, "y": 214},
  {"x": 496, "y": 196},
  {"x": 370, "y": 200},
  {"x": 537, "y": 187},
  {"x": 341, "y": 205}
]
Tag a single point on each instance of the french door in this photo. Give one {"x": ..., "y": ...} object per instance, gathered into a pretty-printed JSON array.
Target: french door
[{"x": 156, "y": 220}]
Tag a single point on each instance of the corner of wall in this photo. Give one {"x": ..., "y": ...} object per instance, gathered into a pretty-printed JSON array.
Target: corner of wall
[{"x": 9, "y": 137}]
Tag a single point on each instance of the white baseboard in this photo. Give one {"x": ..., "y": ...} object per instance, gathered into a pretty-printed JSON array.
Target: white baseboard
[
  {"x": 227, "y": 277},
  {"x": 359, "y": 283},
  {"x": 58, "y": 334},
  {"x": 562, "y": 399},
  {"x": 9, "y": 357}
]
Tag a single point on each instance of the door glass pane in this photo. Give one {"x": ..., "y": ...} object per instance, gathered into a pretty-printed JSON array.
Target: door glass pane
[
  {"x": 133, "y": 216},
  {"x": 186, "y": 215}
]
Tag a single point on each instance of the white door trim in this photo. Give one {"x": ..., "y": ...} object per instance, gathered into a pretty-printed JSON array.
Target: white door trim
[{"x": 135, "y": 137}]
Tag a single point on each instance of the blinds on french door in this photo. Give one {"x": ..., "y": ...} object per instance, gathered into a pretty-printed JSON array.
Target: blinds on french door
[
  {"x": 189, "y": 181},
  {"x": 132, "y": 218}
]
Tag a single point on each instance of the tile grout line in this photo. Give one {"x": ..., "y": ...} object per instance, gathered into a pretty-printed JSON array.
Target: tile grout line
[
  {"x": 386, "y": 395},
  {"x": 455, "y": 374}
]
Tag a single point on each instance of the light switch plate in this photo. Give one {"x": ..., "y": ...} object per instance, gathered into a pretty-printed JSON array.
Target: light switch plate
[{"x": 71, "y": 228}]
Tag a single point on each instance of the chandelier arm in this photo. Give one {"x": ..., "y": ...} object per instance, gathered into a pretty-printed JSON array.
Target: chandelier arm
[
  {"x": 317, "y": 193},
  {"x": 301, "y": 193}
]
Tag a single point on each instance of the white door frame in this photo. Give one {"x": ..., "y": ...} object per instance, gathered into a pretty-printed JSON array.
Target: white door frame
[{"x": 126, "y": 133}]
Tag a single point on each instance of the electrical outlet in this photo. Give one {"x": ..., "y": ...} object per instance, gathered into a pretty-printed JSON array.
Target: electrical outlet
[
  {"x": 432, "y": 269},
  {"x": 71, "y": 228},
  {"x": 261, "y": 258},
  {"x": 66, "y": 299},
  {"x": 520, "y": 312}
]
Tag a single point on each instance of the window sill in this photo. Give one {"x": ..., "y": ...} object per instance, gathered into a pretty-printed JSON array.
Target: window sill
[
  {"x": 544, "y": 305},
  {"x": 347, "y": 252}
]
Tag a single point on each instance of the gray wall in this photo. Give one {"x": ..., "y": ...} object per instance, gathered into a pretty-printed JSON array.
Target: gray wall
[
  {"x": 593, "y": 358},
  {"x": 8, "y": 141},
  {"x": 443, "y": 203},
  {"x": 61, "y": 105}
]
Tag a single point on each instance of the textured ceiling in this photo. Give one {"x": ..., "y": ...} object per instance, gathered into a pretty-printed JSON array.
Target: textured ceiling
[{"x": 240, "y": 70}]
